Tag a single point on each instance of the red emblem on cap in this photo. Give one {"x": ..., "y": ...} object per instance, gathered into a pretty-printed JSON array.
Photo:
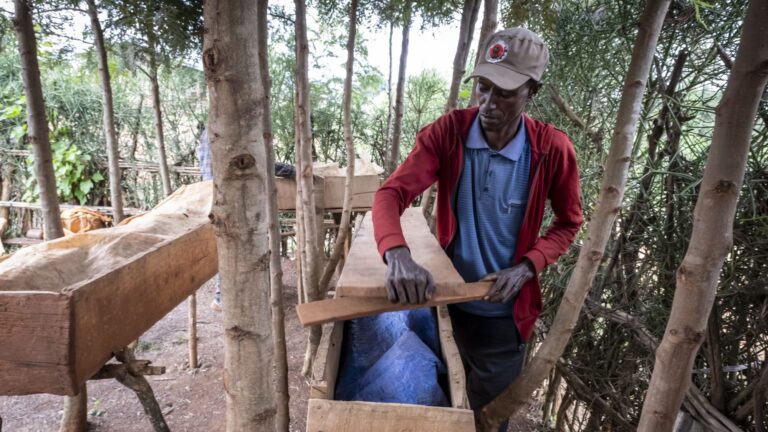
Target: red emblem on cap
[{"x": 496, "y": 52}]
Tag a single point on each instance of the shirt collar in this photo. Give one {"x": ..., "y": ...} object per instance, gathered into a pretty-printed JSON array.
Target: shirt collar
[{"x": 511, "y": 151}]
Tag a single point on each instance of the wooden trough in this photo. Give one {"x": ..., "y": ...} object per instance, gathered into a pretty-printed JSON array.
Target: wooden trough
[
  {"x": 362, "y": 281},
  {"x": 68, "y": 304}
]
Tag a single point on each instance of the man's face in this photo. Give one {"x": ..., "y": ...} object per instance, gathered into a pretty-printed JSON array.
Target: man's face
[{"x": 499, "y": 107}]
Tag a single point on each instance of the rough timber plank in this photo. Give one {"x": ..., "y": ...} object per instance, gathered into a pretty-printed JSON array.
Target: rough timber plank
[
  {"x": 363, "y": 190},
  {"x": 34, "y": 343},
  {"x": 457, "y": 381},
  {"x": 346, "y": 308},
  {"x": 116, "y": 308},
  {"x": 342, "y": 416},
  {"x": 325, "y": 368},
  {"x": 364, "y": 270}
]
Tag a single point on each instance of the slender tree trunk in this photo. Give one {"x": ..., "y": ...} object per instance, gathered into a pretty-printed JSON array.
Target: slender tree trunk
[
  {"x": 237, "y": 100},
  {"x": 311, "y": 251},
  {"x": 37, "y": 124},
  {"x": 346, "y": 106},
  {"x": 490, "y": 22},
  {"x": 136, "y": 129},
  {"x": 282, "y": 418},
  {"x": 75, "y": 407},
  {"x": 712, "y": 236},
  {"x": 113, "y": 155},
  {"x": 467, "y": 28},
  {"x": 611, "y": 194},
  {"x": 159, "y": 135},
  {"x": 388, "y": 133},
  {"x": 394, "y": 156},
  {"x": 5, "y": 195}
]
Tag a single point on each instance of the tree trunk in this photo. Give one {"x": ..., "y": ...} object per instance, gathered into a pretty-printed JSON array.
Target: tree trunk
[
  {"x": 75, "y": 417},
  {"x": 159, "y": 136},
  {"x": 490, "y": 22},
  {"x": 388, "y": 132},
  {"x": 394, "y": 156},
  {"x": 113, "y": 155},
  {"x": 304, "y": 175},
  {"x": 698, "y": 275},
  {"x": 75, "y": 407},
  {"x": 282, "y": 418},
  {"x": 237, "y": 101},
  {"x": 37, "y": 124},
  {"x": 5, "y": 195},
  {"x": 467, "y": 28},
  {"x": 346, "y": 106},
  {"x": 611, "y": 194}
]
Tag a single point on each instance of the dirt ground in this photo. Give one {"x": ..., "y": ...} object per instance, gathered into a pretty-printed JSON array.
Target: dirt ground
[{"x": 192, "y": 400}]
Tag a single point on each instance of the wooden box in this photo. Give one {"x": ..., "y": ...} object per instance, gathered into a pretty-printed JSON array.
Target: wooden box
[
  {"x": 324, "y": 414},
  {"x": 66, "y": 305}
]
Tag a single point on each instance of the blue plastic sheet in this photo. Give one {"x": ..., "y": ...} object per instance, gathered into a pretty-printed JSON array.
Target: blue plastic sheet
[{"x": 392, "y": 357}]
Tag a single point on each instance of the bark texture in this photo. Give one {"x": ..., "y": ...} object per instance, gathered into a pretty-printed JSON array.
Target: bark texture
[
  {"x": 466, "y": 29},
  {"x": 311, "y": 251},
  {"x": 712, "y": 236},
  {"x": 282, "y": 419},
  {"x": 488, "y": 27},
  {"x": 110, "y": 135},
  {"x": 346, "y": 106},
  {"x": 237, "y": 100},
  {"x": 397, "y": 128},
  {"x": 599, "y": 230},
  {"x": 165, "y": 176},
  {"x": 37, "y": 123}
]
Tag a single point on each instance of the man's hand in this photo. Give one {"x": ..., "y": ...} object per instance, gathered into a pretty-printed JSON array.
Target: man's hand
[
  {"x": 406, "y": 281},
  {"x": 509, "y": 282}
]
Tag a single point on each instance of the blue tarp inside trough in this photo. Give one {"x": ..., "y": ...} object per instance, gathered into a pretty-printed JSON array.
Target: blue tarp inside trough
[{"x": 392, "y": 357}]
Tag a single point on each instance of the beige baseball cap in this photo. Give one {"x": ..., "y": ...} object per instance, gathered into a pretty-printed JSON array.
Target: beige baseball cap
[{"x": 511, "y": 57}]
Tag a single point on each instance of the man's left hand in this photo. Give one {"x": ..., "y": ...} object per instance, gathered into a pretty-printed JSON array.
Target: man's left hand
[{"x": 508, "y": 282}]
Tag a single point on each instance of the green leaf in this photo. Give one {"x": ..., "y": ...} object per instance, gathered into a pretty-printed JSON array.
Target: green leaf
[
  {"x": 97, "y": 177},
  {"x": 86, "y": 186}
]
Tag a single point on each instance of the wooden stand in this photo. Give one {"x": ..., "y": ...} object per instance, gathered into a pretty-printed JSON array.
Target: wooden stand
[
  {"x": 130, "y": 373},
  {"x": 326, "y": 414}
]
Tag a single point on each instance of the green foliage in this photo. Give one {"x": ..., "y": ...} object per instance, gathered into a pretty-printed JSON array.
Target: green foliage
[{"x": 75, "y": 171}]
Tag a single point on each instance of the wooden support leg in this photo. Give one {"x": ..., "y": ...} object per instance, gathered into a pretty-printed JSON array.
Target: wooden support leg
[
  {"x": 140, "y": 385},
  {"x": 75, "y": 417},
  {"x": 192, "y": 331}
]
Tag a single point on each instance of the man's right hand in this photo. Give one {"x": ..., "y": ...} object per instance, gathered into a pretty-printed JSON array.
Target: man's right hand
[{"x": 406, "y": 281}]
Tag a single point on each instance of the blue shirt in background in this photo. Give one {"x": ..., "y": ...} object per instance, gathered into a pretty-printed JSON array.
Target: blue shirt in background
[{"x": 490, "y": 204}]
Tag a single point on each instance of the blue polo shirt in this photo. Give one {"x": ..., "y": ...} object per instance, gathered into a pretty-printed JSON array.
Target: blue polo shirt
[{"x": 490, "y": 204}]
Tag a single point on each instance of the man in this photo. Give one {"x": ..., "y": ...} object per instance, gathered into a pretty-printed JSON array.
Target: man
[{"x": 495, "y": 168}]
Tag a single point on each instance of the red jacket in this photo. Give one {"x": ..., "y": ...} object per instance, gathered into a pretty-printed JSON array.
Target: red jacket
[{"x": 438, "y": 156}]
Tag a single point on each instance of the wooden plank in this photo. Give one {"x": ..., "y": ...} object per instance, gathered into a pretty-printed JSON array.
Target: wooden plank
[
  {"x": 21, "y": 241},
  {"x": 457, "y": 380},
  {"x": 116, "y": 308},
  {"x": 364, "y": 271},
  {"x": 35, "y": 352},
  {"x": 326, "y": 366},
  {"x": 342, "y": 416},
  {"x": 346, "y": 308},
  {"x": 363, "y": 190}
]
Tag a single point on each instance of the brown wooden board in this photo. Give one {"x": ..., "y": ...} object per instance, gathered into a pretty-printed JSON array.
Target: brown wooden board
[
  {"x": 115, "y": 309},
  {"x": 345, "y": 308},
  {"x": 364, "y": 270},
  {"x": 67, "y": 304},
  {"x": 457, "y": 381},
  {"x": 35, "y": 354},
  {"x": 363, "y": 189},
  {"x": 342, "y": 416}
]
